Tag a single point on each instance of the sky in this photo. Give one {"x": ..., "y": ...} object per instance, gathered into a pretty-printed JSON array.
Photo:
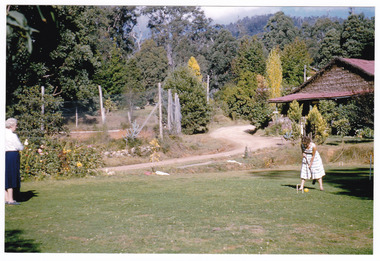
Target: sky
[{"x": 229, "y": 14}]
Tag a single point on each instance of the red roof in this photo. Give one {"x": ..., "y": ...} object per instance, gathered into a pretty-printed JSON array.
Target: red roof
[
  {"x": 365, "y": 65},
  {"x": 316, "y": 96}
]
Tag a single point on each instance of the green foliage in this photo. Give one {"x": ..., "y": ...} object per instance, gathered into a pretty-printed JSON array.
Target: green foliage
[
  {"x": 28, "y": 111},
  {"x": 245, "y": 100},
  {"x": 293, "y": 59},
  {"x": 280, "y": 31},
  {"x": 295, "y": 111},
  {"x": 359, "y": 113},
  {"x": 329, "y": 48},
  {"x": 250, "y": 57},
  {"x": 357, "y": 39},
  {"x": 365, "y": 133},
  {"x": 328, "y": 110},
  {"x": 153, "y": 63},
  {"x": 170, "y": 24},
  {"x": 343, "y": 127},
  {"x": 58, "y": 159},
  {"x": 317, "y": 125},
  {"x": 295, "y": 115},
  {"x": 221, "y": 55},
  {"x": 17, "y": 24},
  {"x": 112, "y": 75},
  {"x": 196, "y": 113}
]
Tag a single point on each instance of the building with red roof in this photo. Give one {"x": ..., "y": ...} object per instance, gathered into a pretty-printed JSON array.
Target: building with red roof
[{"x": 340, "y": 80}]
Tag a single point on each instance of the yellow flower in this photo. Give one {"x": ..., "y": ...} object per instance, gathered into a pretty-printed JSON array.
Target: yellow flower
[{"x": 79, "y": 164}]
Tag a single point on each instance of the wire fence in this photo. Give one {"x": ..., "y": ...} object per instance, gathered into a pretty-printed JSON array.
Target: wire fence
[{"x": 122, "y": 111}]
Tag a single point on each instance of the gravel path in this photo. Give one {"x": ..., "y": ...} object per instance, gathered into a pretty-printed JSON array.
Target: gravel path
[{"x": 240, "y": 136}]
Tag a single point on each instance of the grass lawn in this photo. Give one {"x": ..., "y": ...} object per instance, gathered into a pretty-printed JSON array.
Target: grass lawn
[{"x": 241, "y": 212}]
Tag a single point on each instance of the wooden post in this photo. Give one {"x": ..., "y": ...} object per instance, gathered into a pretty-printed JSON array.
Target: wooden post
[
  {"x": 208, "y": 89},
  {"x": 177, "y": 115},
  {"x": 76, "y": 116},
  {"x": 160, "y": 110},
  {"x": 170, "y": 110},
  {"x": 42, "y": 107},
  {"x": 101, "y": 105}
]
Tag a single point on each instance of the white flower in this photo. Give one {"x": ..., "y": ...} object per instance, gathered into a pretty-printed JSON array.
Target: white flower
[{"x": 26, "y": 143}]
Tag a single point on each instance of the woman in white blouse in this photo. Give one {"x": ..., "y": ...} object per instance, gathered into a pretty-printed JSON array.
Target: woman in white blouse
[{"x": 12, "y": 161}]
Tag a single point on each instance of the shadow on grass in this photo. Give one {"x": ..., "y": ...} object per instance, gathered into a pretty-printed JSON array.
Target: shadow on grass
[
  {"x": 14, "y": 243},
  {"x": 25, "y": 196},
  {"x": 353, "y": 182}
]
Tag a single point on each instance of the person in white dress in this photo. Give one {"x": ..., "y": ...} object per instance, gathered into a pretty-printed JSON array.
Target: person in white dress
[
  {"x": 312, "y": 166},
  {"x": 12, "y": 161}
]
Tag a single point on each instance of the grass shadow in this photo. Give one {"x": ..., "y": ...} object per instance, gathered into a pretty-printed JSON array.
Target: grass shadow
[
  {"x": 25, "y": 196},
  {"x": 15, "y": 243},
  {"x": 353, "y": 182}
]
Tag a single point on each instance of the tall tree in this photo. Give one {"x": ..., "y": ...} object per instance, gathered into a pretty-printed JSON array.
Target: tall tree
[
  {"x": 357, "y": 40},
  {"x": 280, "y": 31},
  {"x": 274, "y": 73},
  {"x": 153, "y": 64},
  {"x": 112, "y": 74},
  {"x": 293, "y": 59},
  {"x": 222, "y": 52},
  {"x": 329, "y": 48},
  {"x": 315, "y": 34},
  {"x": 250, "y": 57},
  {"x": 196, "y": 113},
  {"x": 169, "y": 23}
]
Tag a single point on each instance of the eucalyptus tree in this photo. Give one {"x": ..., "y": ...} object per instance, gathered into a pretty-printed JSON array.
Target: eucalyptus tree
[
  {"x": 329, "y": 48},
  {"x": 222, "y": 52},
  {"x": 153, "y": 64},
  {"x": 169, "y": 24},
  {"x": 279, "y": 31}
]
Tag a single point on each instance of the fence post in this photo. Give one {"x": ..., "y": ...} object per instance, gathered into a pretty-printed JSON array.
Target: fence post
[
  {"x": 170, "y": 110},
  {"x": 160, "y": 110},
  {"x": 42, "y": 107},
  {"x": 76, "y": 116},
  {"x": 177, "y": 114},
  {"x": 208, "y": 89},
  {"x": 101, "y": 105}
]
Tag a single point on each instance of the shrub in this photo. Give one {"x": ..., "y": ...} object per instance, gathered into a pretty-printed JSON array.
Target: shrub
[
  {"x": 58, "y": 159},
  {"x": 295, "y": 111},
  {"x": 317, "y": 125},
  {"x": 195, "y": 112},
  {"x": 342, "y": 126},
  {"x": 295, "y": 115}
]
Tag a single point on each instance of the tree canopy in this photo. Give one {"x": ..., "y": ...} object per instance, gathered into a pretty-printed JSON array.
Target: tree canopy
[{"x": 71, "y": 50}]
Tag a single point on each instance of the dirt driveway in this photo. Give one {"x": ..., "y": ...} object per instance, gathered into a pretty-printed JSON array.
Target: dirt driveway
[{"x": 240, "y": 136}]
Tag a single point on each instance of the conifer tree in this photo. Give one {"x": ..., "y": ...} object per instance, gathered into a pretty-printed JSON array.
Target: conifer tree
[{"x": 274, "y": 73}]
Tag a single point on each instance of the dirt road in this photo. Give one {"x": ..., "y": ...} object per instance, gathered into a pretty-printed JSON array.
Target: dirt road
[{"x": 239, "y": 136}]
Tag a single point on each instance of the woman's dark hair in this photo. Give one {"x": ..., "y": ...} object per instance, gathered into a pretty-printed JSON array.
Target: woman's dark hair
[{"x": 306, "y": 139}]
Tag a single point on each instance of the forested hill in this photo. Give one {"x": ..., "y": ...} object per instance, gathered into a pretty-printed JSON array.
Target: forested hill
[{"x": 256, "y": 24}]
